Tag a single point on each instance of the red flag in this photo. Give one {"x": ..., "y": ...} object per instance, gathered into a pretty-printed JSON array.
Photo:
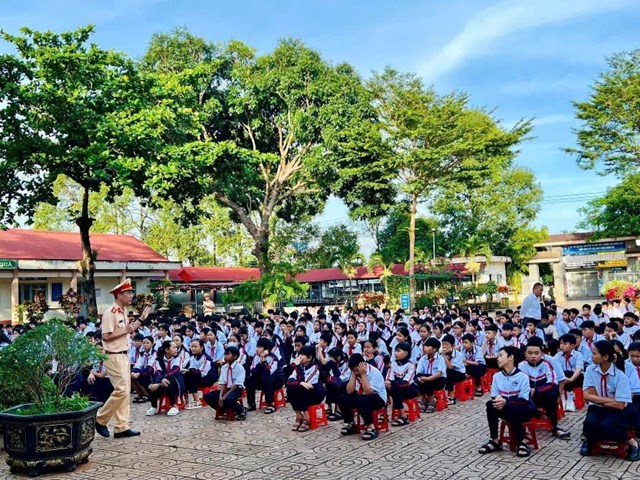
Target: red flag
[{"x": 184, "y": 275}]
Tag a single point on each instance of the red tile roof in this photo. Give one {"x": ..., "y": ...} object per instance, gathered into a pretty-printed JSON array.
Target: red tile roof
[
  {"x": 330, "y": 274},
  {"x": 25, "y": 244},
  {"x": 213, "y": 274}
]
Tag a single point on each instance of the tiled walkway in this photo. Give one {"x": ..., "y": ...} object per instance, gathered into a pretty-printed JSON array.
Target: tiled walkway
[{"x": 439, "y": 446}]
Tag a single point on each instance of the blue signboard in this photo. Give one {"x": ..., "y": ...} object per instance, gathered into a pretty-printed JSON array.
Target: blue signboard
[
  {"x": 593, "y": 248},
  {"x": 405, "y": 301}
]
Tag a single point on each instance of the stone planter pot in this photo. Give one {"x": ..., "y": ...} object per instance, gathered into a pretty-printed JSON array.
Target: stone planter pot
[{"x": 39, "y": 443}]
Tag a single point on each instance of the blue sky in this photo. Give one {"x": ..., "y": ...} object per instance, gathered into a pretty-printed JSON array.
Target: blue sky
[{"x": 523, "y": 58}]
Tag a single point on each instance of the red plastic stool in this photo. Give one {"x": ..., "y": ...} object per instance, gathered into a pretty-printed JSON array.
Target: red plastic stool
[
  {"x": 206, "y": 390},
  {"x": 464, "y": 390},
  {"x": 530, "y": 435},
  {"x": 442, "y": 401},
  {"x": 490, "y": 373},
  {"x": 317, "y": 416},
  {"x": 227, "y": 413},
  {"x": 413, "y": 410},
  {"x": 560, "y": 411},
  {"x": 278, "y": 399},
  {"x": 380, "y": 420},
  {"x": 164, "y": 405},
  {"x": 619, "y": 449},
  {"x": 578, "y": 395},
  {"x": 485, "y": 383}
]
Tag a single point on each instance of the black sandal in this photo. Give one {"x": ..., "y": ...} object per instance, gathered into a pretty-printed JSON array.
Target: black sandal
[
  {"x": 561, "y": 434},
  {"x": 334, "y": 417},
  {"x": 400, "y": 422},
  {"x": 524, "y": 450},
  {"x": 349, "y": 429},
  {"x": 242, "y": 416},
  {"x": 479, "y": 392},
  {"x": 490, "y": 447},
  {"x": 370, "y": 434},
  {"x": 269, "y": 409}
]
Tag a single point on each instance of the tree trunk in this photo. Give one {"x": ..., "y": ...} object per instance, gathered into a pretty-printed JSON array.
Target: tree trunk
[
  {"x": 412, "y": 250},
  {"x": 261, "y": 252},
  {"x": 87, "y": 264}
]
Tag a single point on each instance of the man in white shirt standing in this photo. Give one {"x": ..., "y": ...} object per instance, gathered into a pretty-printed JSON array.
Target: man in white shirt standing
[{"x": 531, "y": 310}]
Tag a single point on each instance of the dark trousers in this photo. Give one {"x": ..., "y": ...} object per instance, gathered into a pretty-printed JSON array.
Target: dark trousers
[
  {"x": 301, "y": 399},
  {"x": 428, "y": 388},
  {"x": 100, "y": 390},
  {"x": 401, "y": 393},
  {"x": 334, "y": 391},
  {"x": 230, "y": 402},
  {"x": 548, "y": 399},
  {"x": 453, "y": 377},
  {"x": 515, "y": 412},
  {"x": 364, "y": 404},
  {"x": 143, "y": 382},
  {"x": 193, "y": 381},
  {"x": 171, "y": 391},
  {"x": 570, "y": 386},
  {"x": 607, "y": 424},
  {"x": 634, "y": 411},
  {"x": 477, "y": 372},
  {"x": 267, "y": 383},
  {"x": 491, "y": 362}
]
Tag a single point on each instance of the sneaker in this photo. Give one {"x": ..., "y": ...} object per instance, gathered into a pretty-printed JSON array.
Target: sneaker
[
  {"x": 570, "y": 405},
  {"x": 173, "y": 411},
  {"x": 633, "y": 453},
  {"x": 151, "y": 412}
]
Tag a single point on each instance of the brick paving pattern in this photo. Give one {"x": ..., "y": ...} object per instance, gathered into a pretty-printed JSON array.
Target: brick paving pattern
[{"x": 442, "y": 445}]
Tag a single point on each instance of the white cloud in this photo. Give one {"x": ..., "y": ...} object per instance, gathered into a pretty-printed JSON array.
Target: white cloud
[
  {"x": 506, "y": 18},
  {"x": 553, "y": 119}
]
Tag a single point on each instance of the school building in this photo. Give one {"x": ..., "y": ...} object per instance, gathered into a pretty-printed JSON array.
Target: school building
[
  {"x": 32, "y": 260},
  {"x": 580, "y": 267}
]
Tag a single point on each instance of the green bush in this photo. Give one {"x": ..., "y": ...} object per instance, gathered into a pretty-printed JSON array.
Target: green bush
[{"x": 40, "y": 365}]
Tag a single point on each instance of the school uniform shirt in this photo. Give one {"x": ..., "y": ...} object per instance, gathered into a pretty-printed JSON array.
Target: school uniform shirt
[
  {"x": 349, "y": 350},
  {"x": 382, "y": 346},
  {"x": 201, "y": 363},
  {"x": 231, "y": 375},
  {"x": 631, "y": 330},
  {"x": 270, "y": 366},
  {"x": 503, "y": 342},
  {"x": 377, "y": 361},
  {"x": 457, "y": 342},
  {"x": 401, "y": 374},
  {"x": 134, "y": 354},
  {"x": 339, "y": 373},
  {"x": 569, "y": 362},
  {"x": 541, "y": 375},
  {"x": 172, "y": 369},
  {"x": 160, "y": 341},
  {"x": 214, "y": 352},
  {"x": 363, "y": 336},
  {"x": 491, "y": 347},
  {"x": 248, "y": 347},
  {"x": 563, "y": 327},
  {"x": 184, "y": 356},
  {"x": 475, "y": 355},
  {"x": 457, "y": 361},
  {"x": 309, "y": 374},
  {"x": 613, "y": 383},
  {"x": 624, "y": 338},
  {"x": 586, "y": 352},
  {"x": 479, "y": 338},
  {"x": 509, "y": 387},
  {"x": 415, "y": 336},
  {"x": 430, "y": 366},
  {"x": 144, "y": 364},
  {"x": 633, "y": 374},
  {"x": 376, "y": 381},
  {"x": 560, "y": 376}
]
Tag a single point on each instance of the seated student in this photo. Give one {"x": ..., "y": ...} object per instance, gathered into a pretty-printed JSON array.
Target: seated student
[
  {"x": 490, "y": 346},
  {"x": 572, "y": 364},
  {"x": 372, "y": 356},
  {"x": 337, "y": 376},
  {"x": 630, "y": 321},
  {"x": 297, "y": 347},
  {"x": 142, "y": 371},
  {"x": 507, "y": 339},
  {"x": 424, "y": 331},
  {"x": 456, "y": 371},
  {"x": 265, "y": 374},
  {"x": 352, "y": 346},
  {"x": 231, "y": 383},
  {"x": 365, "y": 393},
  {"x": 400, "y": 382},
  {"x": 201, "y": 372},
  {"x": 213, "y": 348},
  {"x": 135, "y": 349},
  {"x": 183, "y": 355},
  {"x": 167, "y": 379},
  {"x": 632, "y": 371},
  {"x": 473, "y": 361},
  {"x": 98, "y": 386},
  {"x": 304, "y": 387},
  {"x": 613, "y": 331},
  {"x": 510, "y": 401},
  {"x": 607, "y": 390},
  {"x": 431, "y": 373},
  {"x": 458, "y": 331},
  {"x": 543, "y": 381}
]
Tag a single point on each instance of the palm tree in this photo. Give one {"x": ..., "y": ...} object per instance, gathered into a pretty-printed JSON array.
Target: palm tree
[
  {"x": 472, "y": 248},
  {"x": 376, "y": 260},
  {"x": 348, "y": 267}
]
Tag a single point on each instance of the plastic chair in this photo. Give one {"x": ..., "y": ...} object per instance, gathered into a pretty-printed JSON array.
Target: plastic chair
[
  {"x": 227, "y": 413},
  {"x": 380, "y": 420},
  {"x": 317, "y": 416},
  {"x": 413, "y": 410},
  {"x": 206, "y": 390},
  {"x": 164, "y": 404},
  {"x": 441, "y": 400},
  {"x": 578, "y": 395},
  {"x": 530, "y": 435},
  {"x": 279, "y": 399},
  {"x": 619, "y": 449},
  {"x": 464, "y": 390}
]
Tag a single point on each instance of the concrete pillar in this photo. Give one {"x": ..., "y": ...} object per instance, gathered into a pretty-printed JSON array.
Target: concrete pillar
[
  {"x": 534, "y": 273},
  {"x": 559, "y": 292},
  {"x": 123, "y": 276},
  {"x": 74, "y": 280},
  {"x": 15, "y": 298}
]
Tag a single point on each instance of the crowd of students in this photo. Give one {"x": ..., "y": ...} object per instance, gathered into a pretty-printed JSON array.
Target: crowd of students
[{"x": 360, "y": 360}]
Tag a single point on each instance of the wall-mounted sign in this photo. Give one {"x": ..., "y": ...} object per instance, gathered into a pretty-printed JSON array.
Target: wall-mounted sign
[
  {"x": 593, "y": 248},
  {"x": 8, "y": 264},
  {"x": 612, "y": 264}
]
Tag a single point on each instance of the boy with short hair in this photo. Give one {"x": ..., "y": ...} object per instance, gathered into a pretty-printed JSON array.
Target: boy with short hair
[
  {"x": 231, "y": 383},
  {"x": 572, "y": 363}
]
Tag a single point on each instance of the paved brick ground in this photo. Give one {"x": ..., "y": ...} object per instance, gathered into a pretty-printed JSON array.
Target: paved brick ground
[{"x": 439, "y": 446}]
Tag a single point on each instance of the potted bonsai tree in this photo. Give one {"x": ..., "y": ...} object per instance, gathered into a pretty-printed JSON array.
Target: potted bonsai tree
[{"x": 46, "y": 426}]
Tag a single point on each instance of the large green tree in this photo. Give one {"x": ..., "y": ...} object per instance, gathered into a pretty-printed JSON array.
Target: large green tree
[
  {"x": 436, "y": 140},
  {"x": 277, "y": 133},
  {"x": 338, "y": 245},
  {"x": 68, "y": 108},
  {"x": 609, "y": 137}
]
